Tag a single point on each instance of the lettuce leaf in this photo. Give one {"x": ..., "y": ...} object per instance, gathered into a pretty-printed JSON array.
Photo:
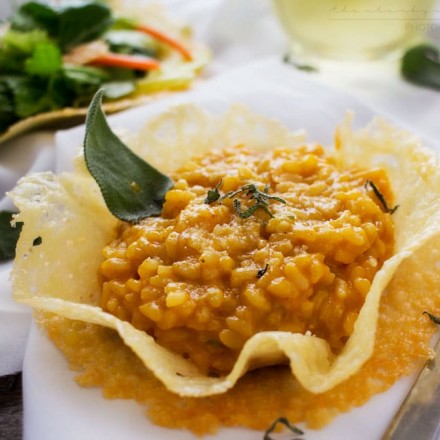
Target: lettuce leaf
[
  {"x": 24, "y": 42},
  {"x": 45, "y": 60}
]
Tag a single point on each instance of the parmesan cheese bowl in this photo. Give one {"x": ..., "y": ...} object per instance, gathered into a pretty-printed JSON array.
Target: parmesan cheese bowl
[{"x": 379, "y": 143}]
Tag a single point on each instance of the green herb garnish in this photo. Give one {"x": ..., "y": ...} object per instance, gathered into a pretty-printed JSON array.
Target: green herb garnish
[
  {"x": 380, "y": 197},
  {"x": 213, "y": 194},
  {"x": 261, "y": 199},
  {"x": 286, "y": 423},
  {"x": 433, "y": 318},
  {"x": 287, "y": 59},
  {"x": 261, "y": 272},
  {"x": 421, "y": 65},
  {"x": 37, "y": 241},
  {"x": 8, "y": 235},
  {"x": 251, "y": 191},
  {"x": 249, "y": 211},
  {"x": 132, "y": 189}
]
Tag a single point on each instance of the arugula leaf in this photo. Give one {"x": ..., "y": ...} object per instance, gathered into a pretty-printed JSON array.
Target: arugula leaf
[
  {"x": 421, "y": 65},
  {"x": 132, "y": 189},
  {"x": 8, "y": 235},
  {"x": 45, "y": 60}
]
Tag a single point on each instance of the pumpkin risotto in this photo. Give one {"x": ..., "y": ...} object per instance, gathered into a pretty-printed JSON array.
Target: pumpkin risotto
[{"x": 202, "y": 279}]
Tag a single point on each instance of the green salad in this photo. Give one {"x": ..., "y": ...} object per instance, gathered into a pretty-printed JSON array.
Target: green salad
[{"x": 54, "y": 57}]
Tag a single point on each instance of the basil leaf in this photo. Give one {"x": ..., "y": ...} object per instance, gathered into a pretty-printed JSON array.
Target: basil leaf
[
  {"x": 421, "y": 65},
  {"x": 132, "y": 189},
  {"x": 8, "y": 236}
]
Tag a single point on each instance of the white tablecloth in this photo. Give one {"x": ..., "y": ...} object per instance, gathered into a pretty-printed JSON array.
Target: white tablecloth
[{"x": 239, "y": 32}]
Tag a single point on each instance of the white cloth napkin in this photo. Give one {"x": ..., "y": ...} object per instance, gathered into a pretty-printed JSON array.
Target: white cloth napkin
[{"x": 27, "y": 155}]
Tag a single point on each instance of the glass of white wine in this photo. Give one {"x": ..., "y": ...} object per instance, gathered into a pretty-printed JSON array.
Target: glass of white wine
[{"x": 354, "y": 30}]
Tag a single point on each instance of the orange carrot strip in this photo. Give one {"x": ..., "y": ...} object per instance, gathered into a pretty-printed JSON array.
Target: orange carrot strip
[
  {"x": 166, "y": 39},
  {"x": 126, "y": 61}
]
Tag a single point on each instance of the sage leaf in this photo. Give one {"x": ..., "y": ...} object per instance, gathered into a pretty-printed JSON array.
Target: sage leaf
[
  {"x": 132, "y": 189},
  {"x": 8, "y": 236},
  {"x": 421, "y": 65}
]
